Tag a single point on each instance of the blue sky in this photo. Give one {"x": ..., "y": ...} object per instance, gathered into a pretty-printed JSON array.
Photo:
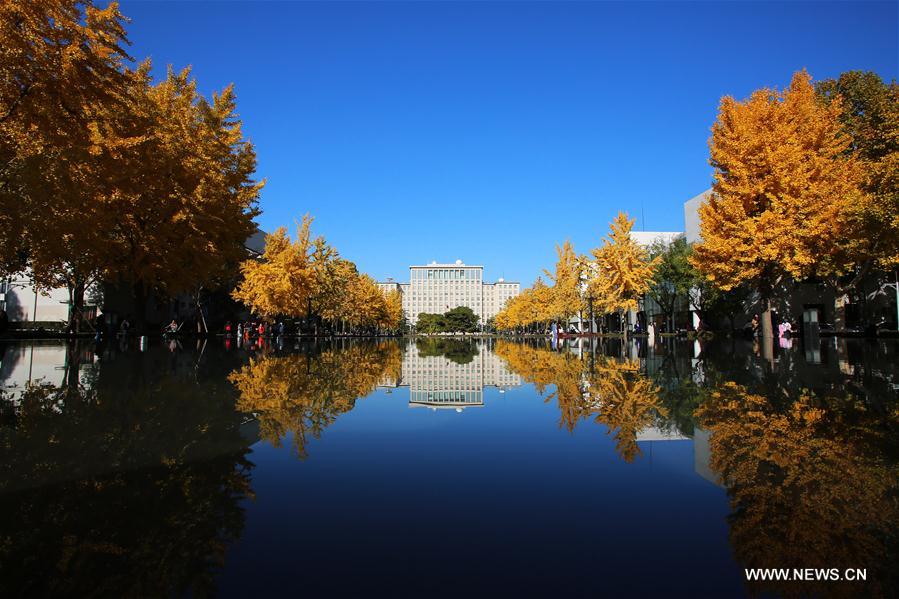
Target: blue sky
[{"x": 490, "y": 131}]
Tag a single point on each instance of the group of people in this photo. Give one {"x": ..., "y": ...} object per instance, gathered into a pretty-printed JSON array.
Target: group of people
[
  {"x": 252, "y": 328},
  {"x": 784, "y": 327}
]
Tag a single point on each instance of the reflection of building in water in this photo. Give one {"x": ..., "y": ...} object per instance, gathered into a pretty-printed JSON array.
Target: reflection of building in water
[
  {"x": 653, "y": 433},
  {"x": 438, "y": 382},
  {"x": 701, "y": 452},
  {"x": 35, "y": 362}
]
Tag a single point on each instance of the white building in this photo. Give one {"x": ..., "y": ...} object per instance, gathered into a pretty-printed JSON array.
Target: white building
[
  {"x": 648, "y": 238},
  {"x": 435, "y": 288},
  {"x": 24, "y": 302},
  {"x": 691, "y": 215}
]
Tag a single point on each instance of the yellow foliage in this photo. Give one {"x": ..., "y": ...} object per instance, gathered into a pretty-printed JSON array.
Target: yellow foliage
[
  {"x": 783, "y": 189},
  {"x": 307, "y": 276},
  {"x": 106, "y": 175},
  {"x": 531, "y": 307},
  {"x": 806, "y": 484},
  {"x": 614, "y": 392},
  {"x": 567, "y": 296},
  {"x": 282, "y": 282},
  {"x": 625, "y": 401},
  {"x": 61, "y": 64},
  {"x": 621, "y": 270}
]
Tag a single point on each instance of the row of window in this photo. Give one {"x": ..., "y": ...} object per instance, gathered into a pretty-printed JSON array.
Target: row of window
[{"x": 446, "y": 274}]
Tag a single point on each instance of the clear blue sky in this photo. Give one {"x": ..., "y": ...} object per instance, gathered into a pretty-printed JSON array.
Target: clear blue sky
[{"x": 419, "y": 131}]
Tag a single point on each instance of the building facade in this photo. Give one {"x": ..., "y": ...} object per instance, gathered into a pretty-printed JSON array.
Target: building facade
[{"x": 436, "y": 288}]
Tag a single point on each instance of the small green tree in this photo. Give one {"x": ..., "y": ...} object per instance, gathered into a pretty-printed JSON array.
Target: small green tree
[
  {"x": 430, "y": 323},
  {"x": 461, "y": 319},
  {"x": 673, "y": 277}
]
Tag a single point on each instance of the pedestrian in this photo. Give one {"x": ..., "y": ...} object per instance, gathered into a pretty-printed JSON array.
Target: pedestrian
[
  {"x": 124, "y": 326},
  {"x": 784, "y": 329}
]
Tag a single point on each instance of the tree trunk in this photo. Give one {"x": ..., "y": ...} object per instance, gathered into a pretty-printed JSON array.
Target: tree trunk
[
  {"x": 139, "y": 292},
  {"x": 73, "y": 365},
  {"x": 76, "y": 306},
  {"x": 767, "y": 328},
  {"x": 768, "y": 347},
  {"x": 839, "y": 312}
]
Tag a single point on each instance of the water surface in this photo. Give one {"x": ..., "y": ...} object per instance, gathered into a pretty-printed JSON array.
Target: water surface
[{"x": 445, "y": 467}]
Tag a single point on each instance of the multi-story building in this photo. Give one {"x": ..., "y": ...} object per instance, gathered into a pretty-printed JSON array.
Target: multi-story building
[{"x": 435, "y": 288}]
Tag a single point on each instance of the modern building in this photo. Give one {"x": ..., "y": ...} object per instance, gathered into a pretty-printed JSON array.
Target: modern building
[
  {"x": 691, "y": 215},
  {"x": 435, "y": 288}
]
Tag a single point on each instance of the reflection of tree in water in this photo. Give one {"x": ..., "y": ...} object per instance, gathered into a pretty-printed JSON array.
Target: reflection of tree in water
[
  {"x": 543, "y": 368},
  {"x": 625, "y": 401},
  {"x": 811, "y": 486},
  {"x": 303, "y": 394},
  {"x": 119, "y": 489},
  {"x": 454, "y": 350},
  {"x": 614, "y": 391}
]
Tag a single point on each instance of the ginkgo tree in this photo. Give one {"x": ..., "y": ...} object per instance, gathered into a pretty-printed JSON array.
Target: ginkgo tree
[
  {"x": 528, "y": 312},
  {"x": 784, "y": 187},
  {"x": 106, "y": 175},
  {"x": 283, "y": 280},
  {"x": 307, "y": 278},
  {"x": 869, "y": 114},
  {"x": 567, "y": 297},
  {"x": 62, "y": 66},
  {"x": 621, "y": 270}
]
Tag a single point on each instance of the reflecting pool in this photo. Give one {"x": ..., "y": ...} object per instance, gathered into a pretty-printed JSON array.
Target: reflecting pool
[{"x": 448, "y": 467}]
